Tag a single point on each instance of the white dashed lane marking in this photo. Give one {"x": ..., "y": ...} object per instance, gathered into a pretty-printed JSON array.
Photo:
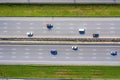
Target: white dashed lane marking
[
  {"x": 18, "y": 27},
  {"x": 80, "y": 49},
  {"x": 13, "y": 49},
  {"x": 5, "y": 31},
  {"x": 85, "y": 24},
  {"x": 18, "y": 31},
  {"x": 40, "y": 53},
  {"x": 57, "y": 27},
  {"x": 71, "y": 24},
  {"x": 40, "y": 57},
  {"x": 72, "y": 32},
  {"x": 31, "y": 27},
  {"x": 53, "y": 57},
  {"x": 18, "y": 23},
  {"x": 31, "y": 23},
  {"x": 98, "y": 24},
  {"x": 67, "y": 53},
  {"x": 108, "y": 58},
  {"x": 1, "y": 52},
  {"x": 13, "y": 57},
  {"x": 27, "y": 49},
  {"x": 107, "y": 53},
  {"x": 71, "y": 28},
  {"x": 94, "y": 53},
  {"x": 93, "y": 57},
  {"x": 27, "y": 53},
  {"x": 13, "y": 52},
  {"x": 5, "y": 23},
  {"x": 112, "y": 24},
  {"x": 5, "y": 27},
  {"x": 57, "y": 23},
  {"x": 1, "y": 48},
  {"x": 81, "y": 57},
  {"x": 67, "y": 57},
  {"x": 27, "y": 57},
  {"x": 44, "y": 31},
  {"x": 98, "y": 28},
  {"x": 98, "y": 31},
  {"x": 112, "y": 31},
  {"x": 57, "y": 31},
  {"x": 94, "y": 49},
  {"x": 107, "y": 49},
  {"x": 40, "y": 49},
  {"x": 67, "y": 50},
  {"x": 112, "y": 28}
]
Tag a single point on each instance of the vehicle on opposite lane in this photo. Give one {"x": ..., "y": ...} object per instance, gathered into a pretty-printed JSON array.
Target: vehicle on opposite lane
[{"x": 29, "y": 34}]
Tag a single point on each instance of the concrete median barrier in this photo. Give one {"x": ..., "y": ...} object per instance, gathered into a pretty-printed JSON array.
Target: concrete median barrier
[
  {"x": 94, "y": 1},
  {"x": 13, "y": 1},
  {"x": 62, "y": 1}
]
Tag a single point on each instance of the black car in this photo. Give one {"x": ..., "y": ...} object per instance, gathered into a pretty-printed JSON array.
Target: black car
[
  {"x": 29, "y": 34},
  {"x": 95, "y": 35},
  {"x": 49, "y": 26}
]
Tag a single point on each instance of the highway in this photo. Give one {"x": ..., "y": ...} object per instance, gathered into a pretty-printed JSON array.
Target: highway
[
  {"x": 60, "y": 1},
  {"x": 63, "y": 27},
  {"x": 40, "y": 54}
]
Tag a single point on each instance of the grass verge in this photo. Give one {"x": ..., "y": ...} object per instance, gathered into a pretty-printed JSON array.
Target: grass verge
[
  {"x": 45, "y": 71},
  {"x": 59, "y": 9}
]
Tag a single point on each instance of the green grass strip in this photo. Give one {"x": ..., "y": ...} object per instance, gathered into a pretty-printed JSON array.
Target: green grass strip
[
  {"x": 46, "y": 71},
  {"x": 59, "y": 9}
]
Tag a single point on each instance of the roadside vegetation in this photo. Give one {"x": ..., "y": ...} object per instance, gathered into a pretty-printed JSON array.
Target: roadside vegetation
[
  {"x": 59, "y": 9},
  {"x": 53, "y": 71}
]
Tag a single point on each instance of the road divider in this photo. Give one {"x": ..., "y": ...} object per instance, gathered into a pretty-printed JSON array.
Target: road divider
[
  {"x": 62, "y": 1},
  {"x": 71, "y": 40}
]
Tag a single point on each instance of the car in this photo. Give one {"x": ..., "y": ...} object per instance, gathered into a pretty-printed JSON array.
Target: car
[
  {"x": 81, "y": 31},
  {"x": 74, "y": 47},
  {"x": 95, "y": 35},
  {"x": 29, "y": 34},
  {"x": 113, "y": 53},
  {"x": 53, "y": 52},
  {"x": 49, "y": 26}
]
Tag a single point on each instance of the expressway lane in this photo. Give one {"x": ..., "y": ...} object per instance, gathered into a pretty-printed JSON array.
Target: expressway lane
[
  {"x": 41, "y": 53},
  {"x": 62, "y": 27}
]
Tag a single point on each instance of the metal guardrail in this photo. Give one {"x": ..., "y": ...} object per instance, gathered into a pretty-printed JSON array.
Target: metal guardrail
[
  {"x": 56, "y": 79},
  {"x": 64, "y": 39},
  {"x": 61, "y": 1}
]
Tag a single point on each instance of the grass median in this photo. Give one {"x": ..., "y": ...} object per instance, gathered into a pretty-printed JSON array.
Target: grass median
[
  {"x": 53, "y": 71},
  {"x": 59, "y": 9}
]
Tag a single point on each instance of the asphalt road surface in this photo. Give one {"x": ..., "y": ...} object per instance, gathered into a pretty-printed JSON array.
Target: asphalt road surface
[
  {"x": 59, "y": 1},
  {"x": 40, "y": 54},
  {"x": 63, "y": 27}
]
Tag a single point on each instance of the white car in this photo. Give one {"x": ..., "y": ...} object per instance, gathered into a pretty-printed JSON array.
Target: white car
[
  {"x": 74, "y": 47},
  {"x": 81, "y": 31},
  {"x": 29, "y": 34}
]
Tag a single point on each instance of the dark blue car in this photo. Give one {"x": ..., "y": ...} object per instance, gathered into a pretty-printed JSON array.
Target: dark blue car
[
  {"x": 53, "y": 52},
  {"x": 113, "y": 53},
  {"x": 49, "y": 26},
  {"x": 95, "y": 35}
]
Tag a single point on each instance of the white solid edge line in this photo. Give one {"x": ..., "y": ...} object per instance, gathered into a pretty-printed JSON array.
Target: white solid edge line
[
  {"x": 61, "y": 18},
  {"x": 61, "y": 62}
]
